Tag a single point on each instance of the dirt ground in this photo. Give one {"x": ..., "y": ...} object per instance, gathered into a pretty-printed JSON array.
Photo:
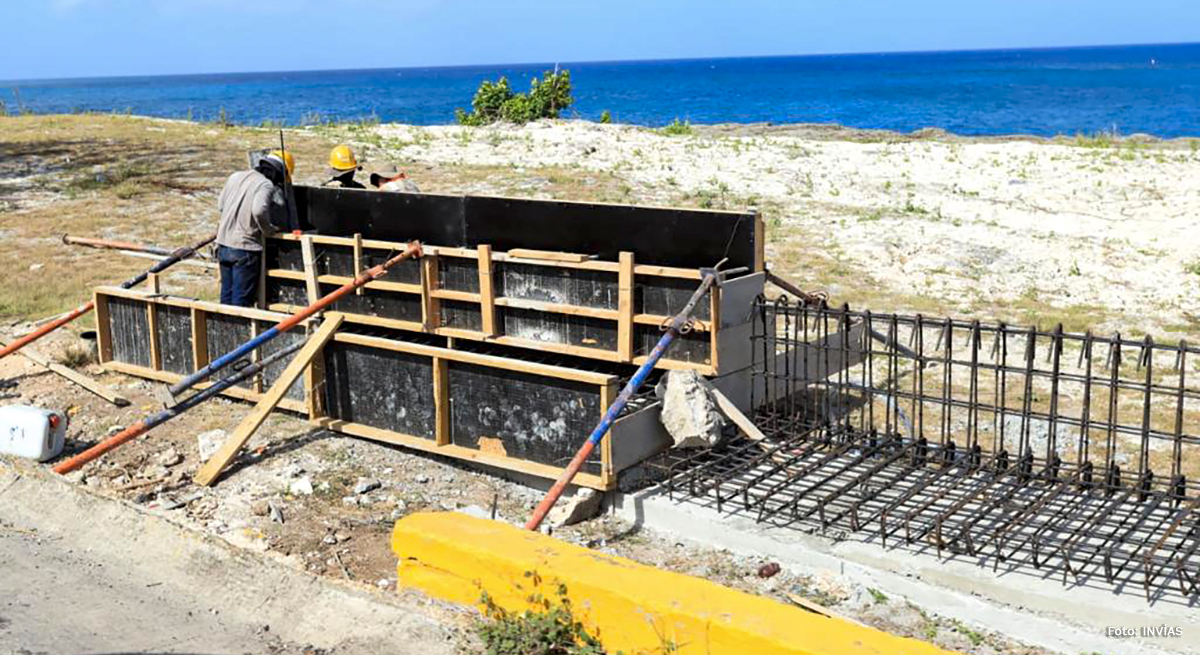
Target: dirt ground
[{"x": 293, "y": 493}]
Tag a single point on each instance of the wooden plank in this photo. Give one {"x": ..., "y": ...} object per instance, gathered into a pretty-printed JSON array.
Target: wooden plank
[
  {"x": 548, "y": 255},
  {"x": 487, "y": 291},
  {"x": 460, "y": 296},
  {"x": 430, "y": 307},
  {"x": 667, "y": 271},
  {"x": 256, "y": 382},
  {"x": 492, "y": 361},
  {"x": 103, "y": 327},
  {"x": 314, "y": 386},
  {"x": 71, "y": 375},
  {"x": 760, "y": 243},
  {"x": 152, "y": 330},
  {"x": 625, "y": 307},
  {"x": 714, "y": 351},
  {"x": 262, "y": 280},
  {"x": 358, "y": 259},
  {"x": 441, "y": 399},
  {"x": 251, "y": 422},
  {"x": 739, "y": 419},
  {"x": 310, "y": 269},
  {"x": 199, "y": 338},
  {"x": 557, "y": 308},
  {"x": 699, "y": 325},
  {"x": 152, "y": 283},
  {"x": 547, "y": 471},
  {"x": 362, "y": 319},
  {"x": 339, "y": 280}
]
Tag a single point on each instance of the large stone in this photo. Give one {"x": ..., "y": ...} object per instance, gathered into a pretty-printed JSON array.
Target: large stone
[
  {"x": 689, "y": 412},
  {"x": 584, "y": 504},
  {"x": 209, "y": 443}
]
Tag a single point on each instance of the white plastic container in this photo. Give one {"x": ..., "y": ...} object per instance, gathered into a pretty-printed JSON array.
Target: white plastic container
[{"x": 32, "y": 432}]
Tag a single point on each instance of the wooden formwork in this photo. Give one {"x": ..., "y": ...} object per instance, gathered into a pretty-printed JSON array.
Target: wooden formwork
[
  {"x": 514, "y": 414},
  {"x": 548, "y": 301}
]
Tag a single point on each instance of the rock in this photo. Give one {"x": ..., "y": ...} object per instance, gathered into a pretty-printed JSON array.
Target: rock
[
  {"x": 301, "y": 487},
  {"x": 114, "y": 429},
  {"x": 383, "y": 583},
  {"x": 422, "y": 478},
  {"x": 769, "y": 570},
  {"x": 475, "y": 511},
  {"x": 155, "y": 471},
  {"x": 329, "y": 539},
  {"x": 292, "y": 471},
  {"x": 170, "y": 457},
  {"x": 366, "y": 484},
  {"x": 350, "y": 500},
  {"x": 397, "y": 513},
  {"x": 36, "y": 267},
  {"x": 260, "y": 507},
  {"x": 275, "y": 512},
  {"x": 580, "y": 506},
  {"x": 341, "y": 536},
  {"x": 689, "y": 413},
  {"x": 210, "y": 442}
]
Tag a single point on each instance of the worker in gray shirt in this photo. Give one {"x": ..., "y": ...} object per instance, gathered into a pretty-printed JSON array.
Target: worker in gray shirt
[{"x": 253, "y": 205}]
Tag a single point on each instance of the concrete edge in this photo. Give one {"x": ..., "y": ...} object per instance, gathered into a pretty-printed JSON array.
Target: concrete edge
[{"x": 629, "y": 606}]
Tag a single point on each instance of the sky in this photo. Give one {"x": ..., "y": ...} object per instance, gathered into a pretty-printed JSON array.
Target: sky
[{"x": 88, "y": 38}]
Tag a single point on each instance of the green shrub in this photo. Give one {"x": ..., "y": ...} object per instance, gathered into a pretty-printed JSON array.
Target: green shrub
[
  {"x": 677, "y": 128},
  {"x": 550, "y": 630},
  {"x": 605, "y": 117},
  {"x": 496, "y": 101}
]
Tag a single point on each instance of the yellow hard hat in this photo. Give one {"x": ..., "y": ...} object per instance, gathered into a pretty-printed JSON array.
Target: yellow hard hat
[
  {"x": 342, "y": 158},
  {"x": 287, "y": 158}
]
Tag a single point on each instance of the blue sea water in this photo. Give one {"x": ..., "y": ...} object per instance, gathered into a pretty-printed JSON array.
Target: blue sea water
[{"x": 1153, "y": 89}]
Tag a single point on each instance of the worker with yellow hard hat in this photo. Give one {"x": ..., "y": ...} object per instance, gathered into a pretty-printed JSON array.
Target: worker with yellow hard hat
[
  {"x": 343, "y": 165},
  {"x": 253, "y": 204}
]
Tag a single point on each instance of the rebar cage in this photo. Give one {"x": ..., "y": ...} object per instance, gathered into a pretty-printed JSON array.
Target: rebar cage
[{"x": 1040, "y": 451}]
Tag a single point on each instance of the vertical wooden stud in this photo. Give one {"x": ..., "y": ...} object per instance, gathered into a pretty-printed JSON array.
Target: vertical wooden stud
[
  {"x": 714, "y": 332},
  {"x": 310, "y": 269},
  {"x": 152, "y": 283},
  {"x": 760, "y": 243},
  {"x": 256, "y": 383},
  {"x": 625, "y": 329},
  {"x": 199, "y": 339},
  {"x": 487, "y": 291},
  {"x": 430, "y": 307},
  {"x": 441, "y": 400},
  {"x": 358, "y": 262},
  {"x": 103, "y": 328},
  {"x": 262, "y": 277},
  {"x": 608, "y": 395},
  {"x": 314, "y": 386},
  {"x": 152, "y": 325}
]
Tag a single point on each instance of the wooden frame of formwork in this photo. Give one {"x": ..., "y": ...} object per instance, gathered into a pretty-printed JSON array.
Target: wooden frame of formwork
[
  {"x": 627, "y": 275},
  {"x": 313, "y": 403}
]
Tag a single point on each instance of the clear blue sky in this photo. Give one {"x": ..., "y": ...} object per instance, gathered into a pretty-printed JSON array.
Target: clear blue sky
[{"x": 81, "y": 38}]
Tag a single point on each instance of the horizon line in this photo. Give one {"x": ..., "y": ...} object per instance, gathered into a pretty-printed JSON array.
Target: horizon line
[{"x": 9, "y": 82}]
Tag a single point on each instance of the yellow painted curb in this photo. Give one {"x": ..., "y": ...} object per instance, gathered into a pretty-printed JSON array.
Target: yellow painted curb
[{"x": 631, "y": 607}]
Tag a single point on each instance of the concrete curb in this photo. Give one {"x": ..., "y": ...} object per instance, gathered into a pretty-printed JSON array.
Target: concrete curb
[{"x": 629, "y": 606}]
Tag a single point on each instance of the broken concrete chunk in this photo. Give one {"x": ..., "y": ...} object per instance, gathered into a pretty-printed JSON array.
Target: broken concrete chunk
[
  {"x": 366, "y": 484},
  {"x": 580, "y": 506},
  {"x": 689, "y": 412},
  {"x": 301, "y": 486},
  {"x": 170, "y": 457},
  {"x": 210, "y": 442},
  {"x": 260, "y": 507}
]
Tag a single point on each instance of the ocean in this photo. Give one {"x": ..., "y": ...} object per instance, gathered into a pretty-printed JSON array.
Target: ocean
[{"x": 1152, "y": 89}]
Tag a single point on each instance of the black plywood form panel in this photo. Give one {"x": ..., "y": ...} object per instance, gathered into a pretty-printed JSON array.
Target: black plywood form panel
[
  {"x": 565, "y": 286},
  {"x": 285, "y": 255},
  {"x": 334, "y": 260},
  {"x": 380, "y": 388},
  {"x": 693, "y": 347},
  {"x": 226, "y": 333},
  {"x": 535, "y": 418},
  {"x": 288, "y": 292},
  {"x": 458, "y": 274},
  {"x": 407, "y": 271},
  {"x": 130, "y": 329},
  {"x": 666, "y": 297},
  {"x": 390, "y": 304},
  {"x": 461, "y": 315},
  {"x": 688, "y": 238},
  {"x": 175, "y": 339},
  {"x": 549, "y": 327},
  {"x": 271, "y": 374},
  {"x": 385, "y": 216}
]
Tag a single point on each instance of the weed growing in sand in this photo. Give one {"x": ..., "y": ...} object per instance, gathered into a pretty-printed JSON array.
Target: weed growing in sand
[
  {"x": 550, "y": 628},
  {"x": 677, "y": 128},
  {"x": 973, "y": 636},
  {"x": 879, "y": 597},
  {"x": 1192, "y": 267},
  {"x": 605, "y": 117},
  {"x": 75, "y": 356}
]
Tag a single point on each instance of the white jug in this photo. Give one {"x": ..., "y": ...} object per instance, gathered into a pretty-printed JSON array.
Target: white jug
[{"x": 32, "y": 432}]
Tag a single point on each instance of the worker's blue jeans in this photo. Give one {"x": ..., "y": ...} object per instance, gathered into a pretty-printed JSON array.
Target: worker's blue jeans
[{"x": 239, "y": 275}]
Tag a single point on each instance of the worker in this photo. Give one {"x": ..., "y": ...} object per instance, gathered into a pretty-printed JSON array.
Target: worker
[
  {"x": 343, "y": 165},
  {"x": 254, "y": 204}
]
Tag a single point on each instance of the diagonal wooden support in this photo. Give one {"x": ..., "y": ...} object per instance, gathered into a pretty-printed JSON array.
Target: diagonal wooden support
[
  {"x": 217, "y": 463},
  {"x": 74, "y": 376}
]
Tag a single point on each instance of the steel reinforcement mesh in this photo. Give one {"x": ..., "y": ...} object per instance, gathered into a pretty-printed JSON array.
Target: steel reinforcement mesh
[{"x": 1042, "y": 452}]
